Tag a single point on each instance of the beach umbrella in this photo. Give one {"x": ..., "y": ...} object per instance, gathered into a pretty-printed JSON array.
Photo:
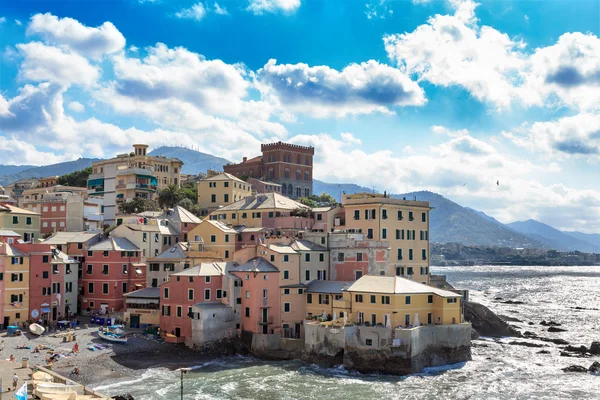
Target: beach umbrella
[
  {"x": 335, "y": 315},
  {"x": 416, "y": 321},
  {"x": 345, "y": 318},
  {"x": 324, "y": 316},
  {"x": 388, "y": 321}
]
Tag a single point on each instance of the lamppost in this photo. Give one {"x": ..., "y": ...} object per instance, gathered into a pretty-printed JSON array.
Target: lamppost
[{"x": 183, "y": 371}]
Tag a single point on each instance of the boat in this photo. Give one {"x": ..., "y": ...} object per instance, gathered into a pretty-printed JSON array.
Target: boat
[
  {"x": 112, "y": 337},
  {"x": 36, "y": 329}
]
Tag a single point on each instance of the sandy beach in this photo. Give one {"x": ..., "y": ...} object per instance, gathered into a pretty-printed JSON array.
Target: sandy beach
[{"x": 116, "y": 362}]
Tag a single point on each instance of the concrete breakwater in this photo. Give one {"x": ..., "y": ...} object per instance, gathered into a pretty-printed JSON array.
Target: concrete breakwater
[{"x": 370, "y": 349}]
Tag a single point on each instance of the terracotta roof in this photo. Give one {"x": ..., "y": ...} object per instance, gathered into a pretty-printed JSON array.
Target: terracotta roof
[{"x": 395, "y": 284}]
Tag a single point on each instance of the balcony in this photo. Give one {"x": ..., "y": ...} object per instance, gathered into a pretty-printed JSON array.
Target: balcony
[
  {"x": 95, "y": 190},
  {"x": 269, "y": 321},
  {"x": 345, "y": 304}
]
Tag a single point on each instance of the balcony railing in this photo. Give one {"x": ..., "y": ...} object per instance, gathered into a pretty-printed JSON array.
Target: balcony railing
[
  {"x": 341, "y": 304},
  {"x": 269, "y": 321}
]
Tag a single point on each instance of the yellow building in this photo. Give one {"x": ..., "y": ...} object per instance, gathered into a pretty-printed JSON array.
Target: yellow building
[
  {"x": 142, "y": 308},
  {"x": 130, "y": 175},
  {"x": 403, "y": 223},
  {"x": 394, "y": 301},
  {"x": 268, "y": 210},
  {"x": 16, "y": 284},
  {"x": 216, "y": 237},
  {"x": 23, "y": 222},
  {"x": 325, "y": 298},
  {"x": 220, "y": 190}
]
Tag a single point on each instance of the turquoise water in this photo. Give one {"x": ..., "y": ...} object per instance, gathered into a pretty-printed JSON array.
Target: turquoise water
[{"x": 498, "y": 371}]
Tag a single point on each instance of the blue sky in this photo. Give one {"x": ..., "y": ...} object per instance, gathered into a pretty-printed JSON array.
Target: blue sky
[{"x": 400, "y": 95}]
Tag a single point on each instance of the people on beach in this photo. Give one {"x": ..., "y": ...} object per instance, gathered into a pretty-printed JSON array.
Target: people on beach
[
  {"x": 75, "y": 371},
  {"x": 36, "y": 350},
  {"x": 15, "y": 380},
  {"x": 76, "y": 348},
  {"x": 12, "y": 358}
]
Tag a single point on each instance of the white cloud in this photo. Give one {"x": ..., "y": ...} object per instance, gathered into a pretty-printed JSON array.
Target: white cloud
[
  {"x": 577, "y": 136},
  {"x": 452, "y": 50},
  {"x": 133, "y": 49},
  {"x": 418, "y": 2},
  {"x": 16, "y": 152},
  {"x": 76, "y": 106},
  {"x": 220, "y": 10},
  {"x": 259, "y": 7},
  {"x": 2, "y": 20},
  {"x": 47, "y": 63},
  {"x": 19, "y": 23},
  {"x": 195, "y": 12},
  {"x": 526, "y": 17},
  {"x": 349, "y": 138},
  {"x": 322, "y": 91},
  {"x": 92, "y": 42},
  {"x": 442, "y": 130}
]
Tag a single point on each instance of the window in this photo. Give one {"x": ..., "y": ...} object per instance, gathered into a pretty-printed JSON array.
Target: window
[
  {"x": 247, "y": 311},
  {"x": 45, "y": 224},
  {"x": 452, "y": 300},
  {"x": 226, "y": 253},
  {"x": 359, "y": 256},
  {"x": 410, "y": 254},
  {"x": 399, "y": 254},
  {"x": 423, "y": 217},
  {"x": 358, "y": 298},
  {"x": 226, "y": 238},
  {"x": 356, "y": 214},
  {"x": 90, "y": 253},
  {"x": 309, "y": 298},
  {"x": 369, "y": 342},
  {"x": 399, "y": 271},
  {"x": 105, "y": 269},
  {"x": 370, "y": 233},
  {"x": 307, "y": 275},
  {"x": 319, "y": 217},
  {"x": 340, "y": 257},
  {"x": 373, "y": 299},
  {"x": 219, "y": 294},
  {"x": 213, "y": 238},
  {"x": 300, "y": 291},
  {"x": 124, "y": 269},
  {"x": 225, "y": 184},
  {"x": 407, "y": 319},
  {"x": 28, "y": 221},
  {"x": 424, "y": 254},
  {"x": 207, "y": 279},
  {"x": 45, "y": 274},
  {"x": 358, "y": 275},
  {"x": 15, "y": 220},
  {"x": 429, "y": 318},
  {"x": 226, "y": 198},
  {"x": 166, "y": 311},
  {"x": 286, "y": 307},
  {"x": 90, "y": 287},
  {"x": 410, "y": 216},
  {"x": 179, "y": 311},
  {"x": 373, "y": 319},
  {"x": 89, "y": 269},
  {"x": 144, "y": 237},
  {"x": 45, "y": 259},
  {"x": 323, "y": 299},
  {"x": 166, "y": 293},
  {"x": 190, "y": 294},
  {"x": 409, "y": 271},
  {"x": 286, "y": 274},
  {"x": 385, "y": 300},
  {"x": 321, "y": 275},
  {"x": 124, "y": 287},
  {"x": 286, "y": 258},
  {"x": 265, "y": 277},
  {"x": 384, "y": 214},
  {"x": 213, "y": 198},
  {"x": 407, "y": 300},
  {"x": 62, "y": 224},
  {"x": 105, "y": 288},
  {"x": 430, "y": 299},
  {"x": 206, "y": 294},
  {"x": 384, "y": 233}
]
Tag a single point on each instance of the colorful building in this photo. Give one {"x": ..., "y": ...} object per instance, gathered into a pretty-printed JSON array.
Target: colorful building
[
  {"x": 151, "y": 235},
  {"x": 322, "y": 296},
  {"x": 402, "y": 223},
  {"x": 259, "y": 186},
  {"x": 393, "y": 301},
  {"x": 286, "y": 164},
  {"x": 142, "y": 308},
  {"x": 216, "y": 237},
  {"x": 130, "y": 175},
  {"x": 220, "y": 190},
  {"x": 14, "y": 285},
  {"x": 25, "y": 223},
  {"x": 112, "y": 268}
]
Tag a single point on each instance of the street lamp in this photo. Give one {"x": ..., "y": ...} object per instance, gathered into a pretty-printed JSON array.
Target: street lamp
[{"x": 183, "y": 371}]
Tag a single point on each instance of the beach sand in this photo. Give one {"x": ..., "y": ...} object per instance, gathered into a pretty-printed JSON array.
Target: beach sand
[{"x": 116, "y": 362}]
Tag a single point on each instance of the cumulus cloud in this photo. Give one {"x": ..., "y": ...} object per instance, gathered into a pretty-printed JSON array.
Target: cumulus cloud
[
  {"x": 92, "y": 42},
  {"x": 19, "y": 23},
  {"x": 349, "y": 138},
  {"x": 259, "y": 7},
  {"x": 220, "y": 10},
  {"x": 442, "y": 130},
  {"x": 48, "y": 63},
  {"x": 76, "y": 106},
  {"x": 323, "y": 91},
  {"x": 418, "y": 2},
  {"x": 577, "y": 136},
  {"x": 16, "y": 152},
  {"x": 2, "y": 20},
  {"x": 196, "y": 12},
  {"x": 453, "y": 50}
]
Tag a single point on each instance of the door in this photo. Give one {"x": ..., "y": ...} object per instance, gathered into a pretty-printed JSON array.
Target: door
[
  {"x": 103, "y": 308},
  {"x": 134, "y": 321},
  {"x": 177, "y": 332},
  {"x": 6, "y": 322},
  {"x": 297, "y": 331},
  {"x": 429, "y": 318},
  {"x": 53, "y": 313}
]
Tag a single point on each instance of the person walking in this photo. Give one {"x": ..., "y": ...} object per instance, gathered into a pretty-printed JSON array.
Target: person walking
[{"x": 15, "y": 381}]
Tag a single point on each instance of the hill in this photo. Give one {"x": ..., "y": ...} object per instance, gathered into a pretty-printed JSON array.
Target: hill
[
  {"x": 8, "y": 174},
  {"x": 194, "y": 161},
  {"x": 593, "y": 238},
  {"x": 335, "y": 189},
  {"x": 551, "y": 237}
]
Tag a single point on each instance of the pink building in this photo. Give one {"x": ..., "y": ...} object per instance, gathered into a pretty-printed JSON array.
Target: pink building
[
  {"x": 112, "y": 268},
  {"x": 202, "y": 283},
  {"x": 260, "y": 297}
]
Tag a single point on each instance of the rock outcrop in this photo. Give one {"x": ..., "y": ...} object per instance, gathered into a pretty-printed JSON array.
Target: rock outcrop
[
  {"x": 595, "y": 348},
  {"x": 575, "y": 368},
  {"x": 555, "y": 329},
  {"x": 595, "y": 368},
  {"x": 485, "y": 323}
]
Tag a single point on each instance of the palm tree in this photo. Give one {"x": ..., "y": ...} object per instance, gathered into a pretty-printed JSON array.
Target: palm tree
[{"x": 169, "y": 196}]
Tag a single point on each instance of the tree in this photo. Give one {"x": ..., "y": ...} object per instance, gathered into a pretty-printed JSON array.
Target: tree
[
  {"x": 169, "y": 196},
  {"x": 190, "y": 191},
  {"x": 307, "y": 201},
  {"x": 185, "y": 203},
  {"x": 138, "y": 205},
  {"x": 77, "y": 178}
]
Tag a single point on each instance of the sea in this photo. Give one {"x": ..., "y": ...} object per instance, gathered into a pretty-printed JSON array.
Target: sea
[{"x": 567, "y": 295}]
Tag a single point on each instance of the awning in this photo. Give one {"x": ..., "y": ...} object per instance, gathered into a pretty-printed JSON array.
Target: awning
[
  {"x": 138, "y": 264},
  {"x": 45, "y": 310},
  {"x": 142, "y": 301},
  {"x": 138, "y": 285},
  {"x": 138, "y": 271},
  {"x": 319, "y": 226}
]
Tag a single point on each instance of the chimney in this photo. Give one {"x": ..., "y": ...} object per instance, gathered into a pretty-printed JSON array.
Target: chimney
[{"x": 244, "y": 159}]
